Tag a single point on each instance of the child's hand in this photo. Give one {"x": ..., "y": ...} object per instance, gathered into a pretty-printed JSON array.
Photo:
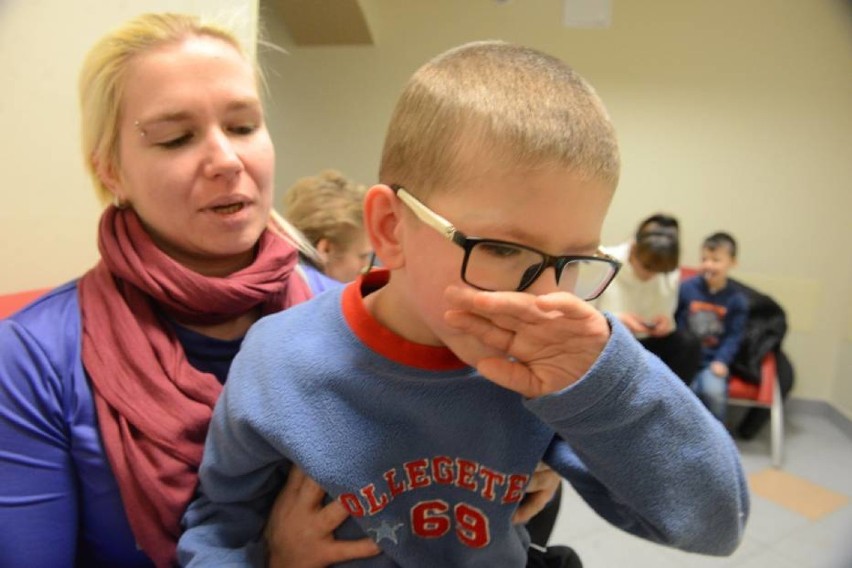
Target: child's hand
[
  {"x": 549, "y": 341},
  {"x": 719, "y": 369},
  {"x": 660, "y": 326},
  {"x": 300, "y": 529},
  {"x": 633, "y": 323}
]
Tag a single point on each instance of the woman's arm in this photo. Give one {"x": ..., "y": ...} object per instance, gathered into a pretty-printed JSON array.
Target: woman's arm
[{"x": 38, "y": 489}]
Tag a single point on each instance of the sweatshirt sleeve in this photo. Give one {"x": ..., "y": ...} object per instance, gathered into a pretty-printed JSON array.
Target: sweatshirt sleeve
[
  {"x": 239, "y": 476},
  {"x": 644, "y": 453},
  {"x": 735, "y": 321}
]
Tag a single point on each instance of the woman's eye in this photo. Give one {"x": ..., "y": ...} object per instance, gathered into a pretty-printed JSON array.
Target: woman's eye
[
  {"x": 176, "y": 142},
  {"x": 243, "y": 129}
]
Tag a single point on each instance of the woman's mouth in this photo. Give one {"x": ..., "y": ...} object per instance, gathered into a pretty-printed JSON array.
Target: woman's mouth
[{"x": 228, "y": 209}]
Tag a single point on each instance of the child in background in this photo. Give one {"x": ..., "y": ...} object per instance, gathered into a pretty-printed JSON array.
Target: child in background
[
  {"x": 422, "y": 396},
  {"x": 716, "y": 312},
  {"x": 329, "y": 210},
  {"x": 644, "y": 294}
]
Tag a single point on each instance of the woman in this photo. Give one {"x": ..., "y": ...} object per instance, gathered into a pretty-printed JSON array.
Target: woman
[{"x": 107, "y": 383}]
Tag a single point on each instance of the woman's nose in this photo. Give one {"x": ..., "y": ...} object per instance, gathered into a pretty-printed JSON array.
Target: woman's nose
[{"x": 222, "y": 158}]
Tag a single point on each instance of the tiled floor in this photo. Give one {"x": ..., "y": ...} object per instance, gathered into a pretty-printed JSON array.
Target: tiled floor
[{"x": 813, "y": 530}]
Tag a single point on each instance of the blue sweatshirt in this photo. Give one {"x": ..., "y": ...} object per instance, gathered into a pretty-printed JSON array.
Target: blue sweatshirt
[
  {"x": 717, "y": 318},
  {"x": 431, "y": 459}
]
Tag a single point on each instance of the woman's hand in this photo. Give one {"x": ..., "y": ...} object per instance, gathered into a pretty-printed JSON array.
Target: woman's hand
[
  {"x": 300, "y": 529},
  {"x": 540, "y": 490}
]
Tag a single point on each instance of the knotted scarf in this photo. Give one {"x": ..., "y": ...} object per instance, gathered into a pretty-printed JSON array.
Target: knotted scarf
[{"x": 153, "y": 407}]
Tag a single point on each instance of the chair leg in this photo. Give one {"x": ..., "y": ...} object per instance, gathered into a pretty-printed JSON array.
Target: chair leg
[{"x": 777, "y": 418}]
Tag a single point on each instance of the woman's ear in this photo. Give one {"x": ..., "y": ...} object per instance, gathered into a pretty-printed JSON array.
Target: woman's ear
[
  {"x": 109, "y": 177},
  {"x": 382, "y": 217}
]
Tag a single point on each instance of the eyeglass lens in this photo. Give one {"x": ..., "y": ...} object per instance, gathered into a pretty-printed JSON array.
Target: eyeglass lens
[{"x": 504, "y": 267}]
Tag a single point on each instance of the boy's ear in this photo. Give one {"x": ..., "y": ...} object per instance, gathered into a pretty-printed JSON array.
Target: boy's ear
[{"x": 382, "y": 217}]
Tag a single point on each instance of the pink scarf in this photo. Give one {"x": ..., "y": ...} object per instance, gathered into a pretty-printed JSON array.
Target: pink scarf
[{"x": 153, "y": 406}]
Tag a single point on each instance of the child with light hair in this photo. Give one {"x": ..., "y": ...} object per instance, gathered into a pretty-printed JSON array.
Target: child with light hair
[
  {"x": 328, "y": 209},
  {"x": 423, "y": 395}
]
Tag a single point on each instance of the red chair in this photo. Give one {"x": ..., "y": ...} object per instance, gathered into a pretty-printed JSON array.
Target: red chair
[
  {"x": 11, "y": 303},
  {"x": 766, "y": 395}
]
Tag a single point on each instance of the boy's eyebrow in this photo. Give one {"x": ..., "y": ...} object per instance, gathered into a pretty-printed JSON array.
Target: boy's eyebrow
[{"x": 520, "y": 236}]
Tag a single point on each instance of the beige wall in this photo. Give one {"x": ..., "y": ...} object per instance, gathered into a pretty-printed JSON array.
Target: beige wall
[{"x": 732, "y": 115}]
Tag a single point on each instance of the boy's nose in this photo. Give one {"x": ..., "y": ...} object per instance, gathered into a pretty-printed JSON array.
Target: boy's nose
[{"x": 545, "y": 283}]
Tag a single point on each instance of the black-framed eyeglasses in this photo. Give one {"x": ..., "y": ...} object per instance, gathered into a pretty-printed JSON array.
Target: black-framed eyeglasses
[{"x": 503, "y": 266}]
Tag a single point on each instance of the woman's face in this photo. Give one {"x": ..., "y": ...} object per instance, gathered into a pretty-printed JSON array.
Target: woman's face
[{"x": 195, "y": 159}]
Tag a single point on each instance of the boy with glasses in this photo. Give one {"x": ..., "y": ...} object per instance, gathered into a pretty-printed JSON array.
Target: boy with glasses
[{"x": 422, "y": 396}]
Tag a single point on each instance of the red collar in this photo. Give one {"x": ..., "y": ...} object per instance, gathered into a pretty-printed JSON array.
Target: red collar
[{"x": 384, "y": 341}]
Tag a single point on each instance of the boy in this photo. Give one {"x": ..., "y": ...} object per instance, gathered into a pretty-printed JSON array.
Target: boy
[
  {"x": 422, "y": 396},
  {"x": 716, "y": 313}
]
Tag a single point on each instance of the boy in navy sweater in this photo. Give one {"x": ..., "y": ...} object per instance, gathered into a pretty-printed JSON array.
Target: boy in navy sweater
[
  {"x": 715, "y": 312},
  {"x": 422, "y": 396}
]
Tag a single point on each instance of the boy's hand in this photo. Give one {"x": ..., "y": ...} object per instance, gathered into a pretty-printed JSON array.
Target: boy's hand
[
  {"x": 719, "y": 369},
  {"x": 300, "y": 529},
  {"x": 549, "y": 341}
]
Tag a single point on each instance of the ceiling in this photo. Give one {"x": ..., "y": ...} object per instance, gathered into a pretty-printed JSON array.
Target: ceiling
[{"x": 344, "y": 22}]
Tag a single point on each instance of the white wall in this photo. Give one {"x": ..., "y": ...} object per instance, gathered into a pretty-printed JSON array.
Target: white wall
[
  {"x": 732, "y": 115},
  {"x": 49, "y": 215}
]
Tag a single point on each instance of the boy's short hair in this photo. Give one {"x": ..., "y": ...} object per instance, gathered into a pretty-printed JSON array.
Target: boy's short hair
[
  {"x": 521, "y": 107},
  {"x": 721, "y": 239},
  {"x": 657, "y": 246}
]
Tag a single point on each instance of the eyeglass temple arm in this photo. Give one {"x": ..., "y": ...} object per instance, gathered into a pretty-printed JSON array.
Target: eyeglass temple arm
[{"x": 425, "y": 214}]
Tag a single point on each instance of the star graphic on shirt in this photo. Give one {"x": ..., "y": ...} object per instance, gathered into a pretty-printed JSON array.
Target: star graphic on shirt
[{"x": 386, "y": 531}]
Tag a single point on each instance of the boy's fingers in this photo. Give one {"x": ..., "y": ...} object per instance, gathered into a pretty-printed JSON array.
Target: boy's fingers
[
  {"x": 512, "y": 308},
  {"x": 510, "y": 375},
  {"x": 487, "y": 332}
]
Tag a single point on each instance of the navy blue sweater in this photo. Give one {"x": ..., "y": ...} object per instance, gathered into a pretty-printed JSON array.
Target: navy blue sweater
[{"x": 717, "y": 318}]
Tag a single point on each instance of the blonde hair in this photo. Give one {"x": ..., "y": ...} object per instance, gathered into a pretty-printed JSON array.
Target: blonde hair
[
  {"x": 326, "y": 206},
  {"x": 103, "y": 75},
  {"x": 516, "y": 105}
]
